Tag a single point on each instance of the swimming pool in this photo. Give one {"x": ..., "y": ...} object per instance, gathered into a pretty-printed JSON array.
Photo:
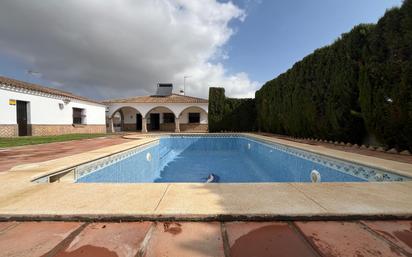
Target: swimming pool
[{"x": 225, "y": 159}]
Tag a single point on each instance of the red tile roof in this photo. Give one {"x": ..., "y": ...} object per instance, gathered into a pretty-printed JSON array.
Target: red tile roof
[
  {"x": 173, "y": 98},
  {"x": 42, "y": 89}
]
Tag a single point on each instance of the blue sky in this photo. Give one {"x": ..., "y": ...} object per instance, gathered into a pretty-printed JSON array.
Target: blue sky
[
  {"x": 117, "y": 48},
  {"x": 278, "y": 33}
]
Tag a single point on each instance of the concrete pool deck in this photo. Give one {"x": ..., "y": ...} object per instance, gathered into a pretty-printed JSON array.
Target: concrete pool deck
[{"x": 21, "y": 199}]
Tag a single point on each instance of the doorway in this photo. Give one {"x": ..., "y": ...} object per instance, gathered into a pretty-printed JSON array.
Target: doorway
[
  {"x": 138, "y": 122},
  {"x": 154, "y": 121},
  {"x": 22, "y": 123}
]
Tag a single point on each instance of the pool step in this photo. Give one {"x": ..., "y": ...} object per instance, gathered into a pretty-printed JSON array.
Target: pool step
[{"x": 164, "y": 152}]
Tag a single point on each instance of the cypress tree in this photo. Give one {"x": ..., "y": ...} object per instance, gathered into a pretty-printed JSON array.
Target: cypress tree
[{"x": 360, "y": 84}]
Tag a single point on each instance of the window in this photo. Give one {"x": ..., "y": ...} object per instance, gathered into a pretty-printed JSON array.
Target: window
[
  {"x": 78, "y": 116},
  {"x": 168, "y": 117},
  {"x": 194, "y": 117}
]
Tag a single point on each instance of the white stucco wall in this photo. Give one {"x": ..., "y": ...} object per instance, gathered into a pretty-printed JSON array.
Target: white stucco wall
[{"x": 43, "y": 110}]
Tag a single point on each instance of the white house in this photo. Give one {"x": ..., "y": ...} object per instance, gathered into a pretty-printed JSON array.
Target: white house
[
  {"x": 29, "y": 109},
  {"x": 163, "y": 111}
]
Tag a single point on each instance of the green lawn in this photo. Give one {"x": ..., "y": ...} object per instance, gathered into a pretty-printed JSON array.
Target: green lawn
[{"x": 18, "y": 141}]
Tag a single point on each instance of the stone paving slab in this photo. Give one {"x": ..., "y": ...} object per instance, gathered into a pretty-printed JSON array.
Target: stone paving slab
[
  {"x": 347, "y": 239},
  {"x": 34, "y": 238},
  {"x": 398, "y": 232},
  {"x": 372, "y": 198},
  {"x": 107, "y": 240},
  {"x": 63, "y": 201},
  {"x": 186, "y": 240},
  {"x": 266, "y": 239},
  {"x": 82, "y": 200},
  {"x": 236, "y": 199}
]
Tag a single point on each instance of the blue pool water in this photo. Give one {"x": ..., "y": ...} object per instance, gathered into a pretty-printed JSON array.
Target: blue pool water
[{"x": 235, "y": 159}]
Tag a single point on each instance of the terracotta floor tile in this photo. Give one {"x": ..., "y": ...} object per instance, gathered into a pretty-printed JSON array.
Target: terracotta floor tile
[
  {"x": 10, "y": 157},
  {"x": 398, "y": 232},
  {"x": 252, "y": 239},
  {"x": 261, "y": 239},
  {"x": 6, "y": 225},
  {"x": 34, "y": 238},
  {"x": 346, "y": 239},
  {"x": 188, "y": 239},
  {"x": 108, "y": 240}
]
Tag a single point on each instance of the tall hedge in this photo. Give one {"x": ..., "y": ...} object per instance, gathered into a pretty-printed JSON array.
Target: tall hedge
[
  {"x": 230, "y": 114},
  {"x": 318, "y": 97},
  {"x": 361, "y": 84},
  {"x": 216, "y": 108},
  {"x": 385, "y": 82}
]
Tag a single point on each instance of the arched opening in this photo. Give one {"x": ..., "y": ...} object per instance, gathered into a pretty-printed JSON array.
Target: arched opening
[
  {"x": 118, "y": 120},
  {"x": 160, "y": 118},
  {"x": 193, "y": 119},
  {"x": 127, "y": 119}
]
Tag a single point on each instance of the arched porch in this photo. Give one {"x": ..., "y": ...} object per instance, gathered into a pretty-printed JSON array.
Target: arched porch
[
  {"x": 126, "y": 119},
  {"x": 192, "y": 119},
  {"x": 144, "y": 117},
  {"x": 161, "y": 118}
]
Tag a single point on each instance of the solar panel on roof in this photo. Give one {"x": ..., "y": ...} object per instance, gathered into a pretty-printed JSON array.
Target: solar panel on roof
[{"x": 164, "y": 89}]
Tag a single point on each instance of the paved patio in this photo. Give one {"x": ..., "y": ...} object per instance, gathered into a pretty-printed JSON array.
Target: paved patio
[
  {"x": 235, "y": 239},
  {"x": 10, "y": 157}
]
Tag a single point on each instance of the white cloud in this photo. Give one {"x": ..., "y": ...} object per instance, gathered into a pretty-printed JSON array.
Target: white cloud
[
  {"x": 204, "y": 75},
  {"x": 124, "y": 47}
]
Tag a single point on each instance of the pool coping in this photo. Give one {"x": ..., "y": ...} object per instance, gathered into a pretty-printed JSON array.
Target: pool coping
[
  {"x": 400, "y": 168},
  {"x": 20, "y": 199}
]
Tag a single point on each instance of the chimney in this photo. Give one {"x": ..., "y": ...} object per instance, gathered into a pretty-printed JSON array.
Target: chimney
[{"x": 164, "y": 89}]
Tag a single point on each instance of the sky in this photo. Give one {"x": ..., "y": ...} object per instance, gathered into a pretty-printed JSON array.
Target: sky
[{"x": 123, "y": 48}]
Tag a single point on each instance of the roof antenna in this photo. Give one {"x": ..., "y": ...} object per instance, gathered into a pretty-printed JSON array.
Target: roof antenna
[{"x": 34, "y": 73}]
